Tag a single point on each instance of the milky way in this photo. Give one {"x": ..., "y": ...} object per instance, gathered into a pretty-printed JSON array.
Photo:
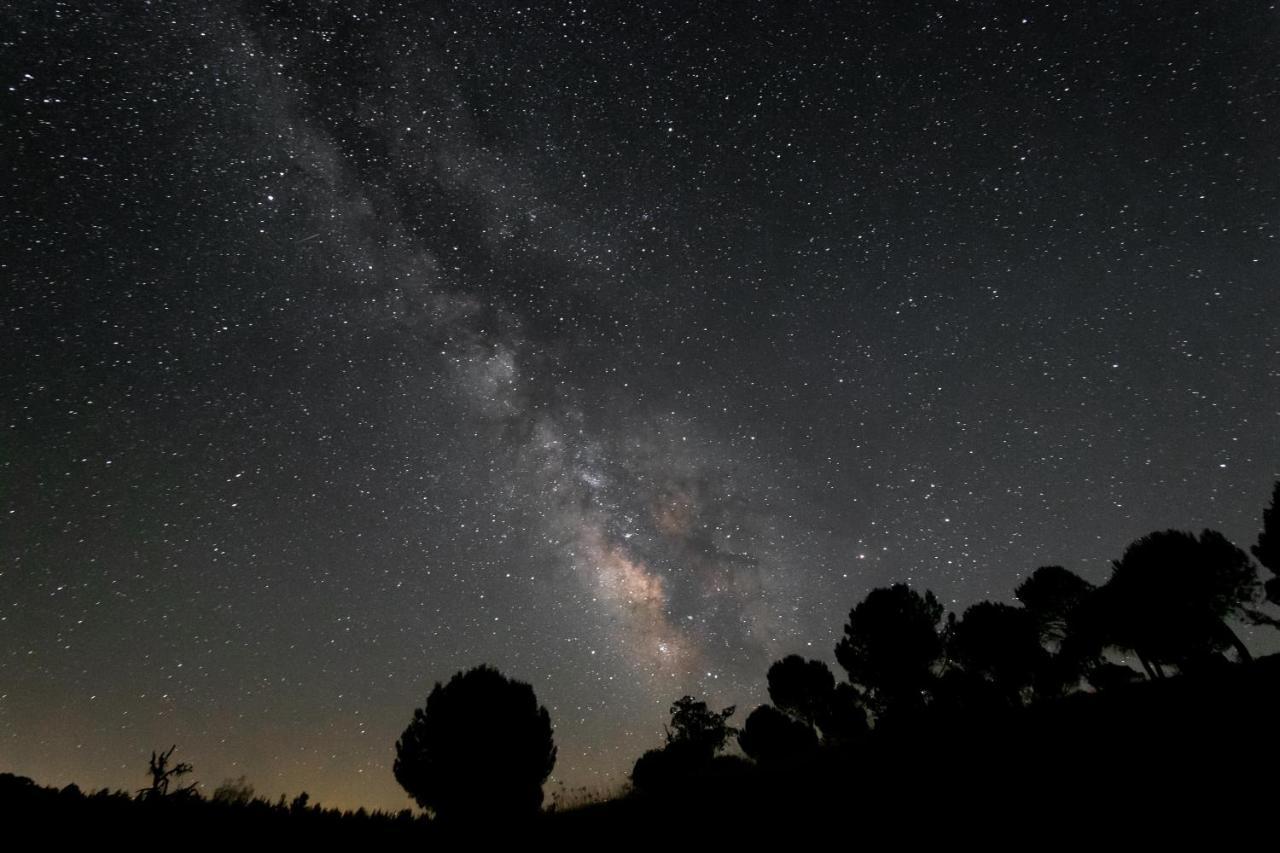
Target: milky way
[{"x": 621, "y": 346}]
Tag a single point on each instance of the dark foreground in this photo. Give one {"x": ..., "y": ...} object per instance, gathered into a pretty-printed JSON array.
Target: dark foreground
[{"x": 1177, "y": 757}]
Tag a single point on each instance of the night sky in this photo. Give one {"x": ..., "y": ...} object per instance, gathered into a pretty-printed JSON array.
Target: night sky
[{"x": 621, "y": 346}]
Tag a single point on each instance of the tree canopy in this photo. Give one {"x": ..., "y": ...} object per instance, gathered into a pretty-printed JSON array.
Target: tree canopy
[
  {"x": 1170, "y": 593},
  {"x": 1051, "y": 595},
  {"x": 890, "y": 647},
  {"x": 694, "y": 737},
  {"x": 771, "y": 736},
  {"x": 696, "y": 727},
  {"x": 481, "y": 746},
  {"x": 801, "y": 687},
  {"x": 999, "y": 644}
]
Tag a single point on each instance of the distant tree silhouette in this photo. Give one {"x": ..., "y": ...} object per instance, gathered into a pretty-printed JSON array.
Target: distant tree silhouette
[
  {"x": 694, "y": 737},
  {"x": 1267, "y": 549},
  {"x": 771, "y": 736},
  {"x": 890, "y": 648},
  {"x": 481, "y": 747},
  {"x": 1169, "y": 595},
  {"x": 698, "y": 728},
  {"x": 163, "y": 775},
  {"x": 1000, "y": 645}
]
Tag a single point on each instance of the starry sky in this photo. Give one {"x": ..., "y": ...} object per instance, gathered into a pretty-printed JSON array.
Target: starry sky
[{"x": 621, "y": 346}]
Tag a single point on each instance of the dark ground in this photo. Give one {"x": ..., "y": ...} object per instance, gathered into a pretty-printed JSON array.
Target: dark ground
[{"x": 1171, "y": 758}]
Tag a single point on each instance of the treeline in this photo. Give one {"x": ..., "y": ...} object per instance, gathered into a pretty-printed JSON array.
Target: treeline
[
  {"x": 1167, "y": 606},
  {"x": 1146, "y": 758},
  {"x": 1060, "y": 711}
]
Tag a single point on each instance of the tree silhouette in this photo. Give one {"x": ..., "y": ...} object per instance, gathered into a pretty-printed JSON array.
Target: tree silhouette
[
  {"x": 694, "y": 736},
  {"x": 807, "y": 691},
  {"x": 698, "y": 728},
  {"x": 162, "y": 775},
  {"x": 771, "y": 736},
  {"x": 1051, "y": 595},
  {"x": 1169, "y": 595},
  {"x": 801, "y": 687},
  {"x": 482, "y": 746},
  {"x": 1267, "y": 550},
  {"x": 1058, "y": 600},
  {"x": 1000, "y": 645},
  {"x": 890, "y": 647}
]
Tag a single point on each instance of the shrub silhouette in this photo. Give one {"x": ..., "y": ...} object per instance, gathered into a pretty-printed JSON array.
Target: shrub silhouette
[
  {"x": 233, "y": 792},
  {"x": 659, "y": 770},
  {"x": 481, "y": 747}
]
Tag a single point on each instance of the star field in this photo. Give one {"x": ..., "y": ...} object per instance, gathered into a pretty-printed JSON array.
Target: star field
[{"x": 621, "y": 346}]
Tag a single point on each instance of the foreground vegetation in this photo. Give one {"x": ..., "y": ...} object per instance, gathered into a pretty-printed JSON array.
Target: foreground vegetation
[{"x": 1152, "y": 756}]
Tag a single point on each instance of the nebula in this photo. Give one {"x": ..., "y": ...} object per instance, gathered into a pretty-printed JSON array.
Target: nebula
[{"x": 639, "y": 598}]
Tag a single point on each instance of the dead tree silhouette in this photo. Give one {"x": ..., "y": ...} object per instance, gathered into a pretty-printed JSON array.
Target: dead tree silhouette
[{"x": 162, "y": 775}]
